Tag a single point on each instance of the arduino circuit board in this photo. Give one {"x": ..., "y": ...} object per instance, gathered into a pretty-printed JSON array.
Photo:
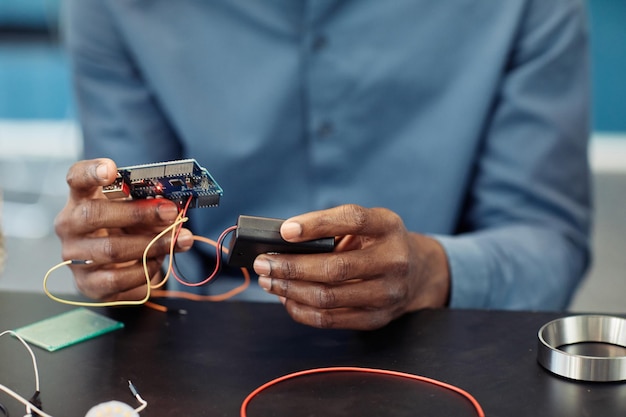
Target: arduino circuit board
[{"x": 175, "y": 180}]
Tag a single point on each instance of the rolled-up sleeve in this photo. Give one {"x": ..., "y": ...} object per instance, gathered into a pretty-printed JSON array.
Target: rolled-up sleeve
[{"x": 523, "y": 241}]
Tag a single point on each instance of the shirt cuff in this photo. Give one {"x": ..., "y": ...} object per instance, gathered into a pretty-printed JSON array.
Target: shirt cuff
[{"x": 469, "y": 272}]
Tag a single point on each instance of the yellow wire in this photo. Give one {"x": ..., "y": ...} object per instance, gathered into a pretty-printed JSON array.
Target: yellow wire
[
  {"x": 171, "y": 228},
  {"x": 179, "y": 220}
]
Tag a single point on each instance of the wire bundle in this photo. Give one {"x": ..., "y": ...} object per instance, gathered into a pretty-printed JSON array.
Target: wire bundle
[{"x": 153, "y": 289}]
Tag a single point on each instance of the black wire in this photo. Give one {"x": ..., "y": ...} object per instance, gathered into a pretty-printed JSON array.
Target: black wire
[
  {"x": 186, "y": 204},
  {"x": 180, "y": 274},
  {"x": 183, "y": 205}
]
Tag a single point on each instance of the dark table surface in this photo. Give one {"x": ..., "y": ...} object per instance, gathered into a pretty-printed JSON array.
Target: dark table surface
[{"x": 206, "y": 362}]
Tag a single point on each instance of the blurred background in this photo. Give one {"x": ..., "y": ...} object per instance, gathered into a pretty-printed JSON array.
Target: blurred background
[{"x": 39, "y": 140}]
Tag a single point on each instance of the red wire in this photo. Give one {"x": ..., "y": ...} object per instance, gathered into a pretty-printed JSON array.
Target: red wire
[
  {"x": 467, "y": 395},
  {"x": 183, "y": 214},
  {"x": 253, "y": 394},
  {"x": 180, "y": 294},
  {"x": 218, "y": 255},
  {"x": 218, "y": 262}
]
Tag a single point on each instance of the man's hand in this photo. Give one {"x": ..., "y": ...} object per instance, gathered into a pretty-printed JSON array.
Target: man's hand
[
  {"x": 377, "y": 272},
  {"x": 113, "y": 234}
]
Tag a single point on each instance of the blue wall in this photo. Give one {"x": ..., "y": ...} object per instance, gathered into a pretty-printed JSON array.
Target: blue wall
[
  {"x": 34, "y": 82},
  {"x": 34, "y": 79},
  {"x": 29, "y": 13},
  {"x": 608, "y": 53}
]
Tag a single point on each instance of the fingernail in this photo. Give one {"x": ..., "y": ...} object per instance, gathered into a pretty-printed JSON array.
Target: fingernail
[
  {"x": 290, "y": 230},
  {"x": 265, "y": 283},
  {"x": 185, "y": 239},
  {"x": 283, "y": 300},
  {"x": 167, "y": 212},
  {"x": 262, "y": 267},
  {"x": 102, "y": 171}
]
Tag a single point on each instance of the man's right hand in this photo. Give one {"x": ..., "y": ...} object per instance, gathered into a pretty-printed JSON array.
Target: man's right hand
[{"x": 113, "y": 234}]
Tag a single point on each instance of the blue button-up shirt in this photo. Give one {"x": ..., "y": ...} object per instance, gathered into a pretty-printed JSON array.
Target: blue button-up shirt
[{"x": 468, "y": 118}]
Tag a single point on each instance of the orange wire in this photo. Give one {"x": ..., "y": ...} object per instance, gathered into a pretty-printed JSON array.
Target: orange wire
[
  {"x": 175, "y": 232},
  {"x": 155, "y": 293},
  {"x": 467, "y": 395},
  {"x": 197, "y": 297},
  {"x": 218, "y": 258},
  {"x": 155, "y": 306}
]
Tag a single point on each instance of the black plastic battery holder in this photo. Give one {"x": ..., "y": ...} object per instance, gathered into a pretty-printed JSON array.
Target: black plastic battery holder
[{"x": 256, "y": 235}]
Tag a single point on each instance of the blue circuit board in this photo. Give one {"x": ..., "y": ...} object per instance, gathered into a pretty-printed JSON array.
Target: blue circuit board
[{"x": 175, "y": 180}]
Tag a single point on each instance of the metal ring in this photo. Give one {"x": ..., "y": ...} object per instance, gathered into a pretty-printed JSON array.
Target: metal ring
[{"x": 583, "y": 329}]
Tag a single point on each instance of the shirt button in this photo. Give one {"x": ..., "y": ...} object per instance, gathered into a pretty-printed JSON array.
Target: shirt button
[
  {"x": 325, "y": 129},
  {"x": 319, "y": 43}
]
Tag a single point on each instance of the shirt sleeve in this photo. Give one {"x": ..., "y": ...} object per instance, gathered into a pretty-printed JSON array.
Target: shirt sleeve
[
  {"x": 524, "y": 237},
  {"x": 119, "y": 113}
]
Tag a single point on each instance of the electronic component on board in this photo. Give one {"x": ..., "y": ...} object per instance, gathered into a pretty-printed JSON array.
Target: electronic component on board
[{"x": 174, "y": 180}]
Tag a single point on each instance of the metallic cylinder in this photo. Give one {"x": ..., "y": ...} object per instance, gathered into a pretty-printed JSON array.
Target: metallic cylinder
[{"x": 556, "y": 334}]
